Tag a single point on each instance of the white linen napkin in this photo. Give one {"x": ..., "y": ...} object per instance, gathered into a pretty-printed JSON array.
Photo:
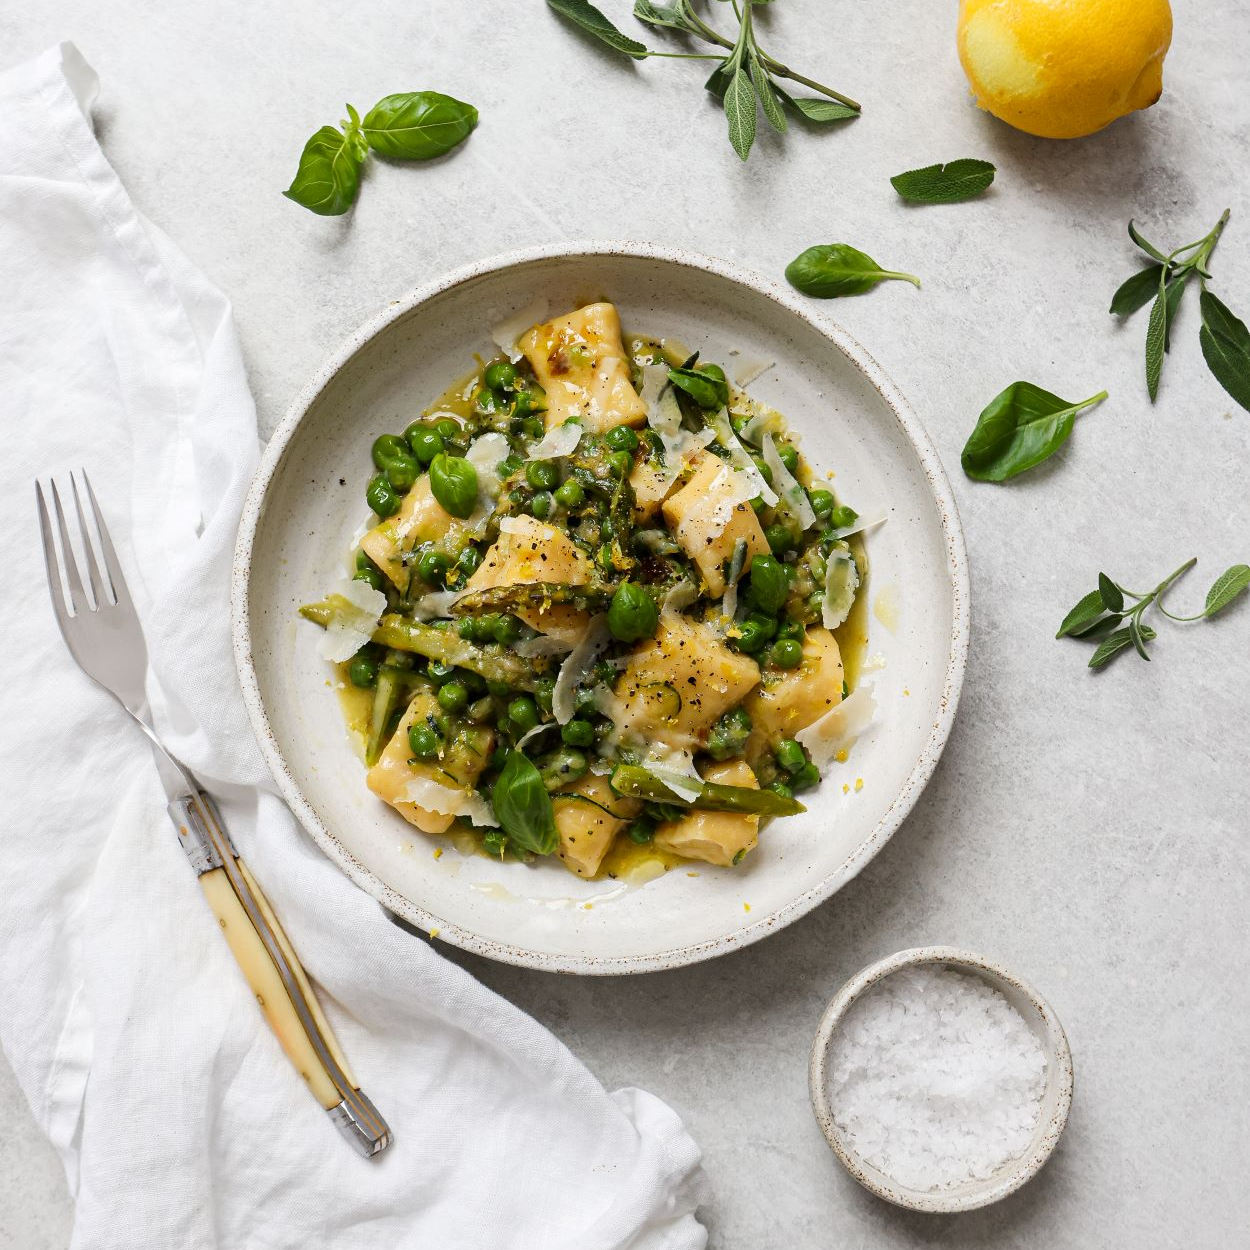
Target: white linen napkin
[{"x": 132, "y": 1032}]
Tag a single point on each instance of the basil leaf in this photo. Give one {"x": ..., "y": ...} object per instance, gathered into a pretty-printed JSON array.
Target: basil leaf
[
  {"x": 591, "y": 19},
  {"x": 944, "y": 184},
  {"x": 740, "y": 113},
  {"x": 1110, "y": 593},
  {"x": 1136, "y": 292},
  {"x": 1225, "y": 343},
  {"x": 706, "y": 389},
  {"x": 1084, "y": 615},
  {"x": 523, "y": 806},
  {"x": 1228, "y": 586},
  {"x": 1018, "y": 429},
  {"x": 328, "y": 176},
  {"x": 768, "y": 97},
  {"x": 830, "y": 270},
  {"x": 1149, "y": 248},
  {"x": 1156, "y": 335},
  {"x": 418, "y": 125}
]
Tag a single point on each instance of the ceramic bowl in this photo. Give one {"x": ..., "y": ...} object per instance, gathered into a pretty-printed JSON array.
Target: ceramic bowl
[
  {"x": 306, "y": 507},
  {"x": 1056, "y": 1095}
]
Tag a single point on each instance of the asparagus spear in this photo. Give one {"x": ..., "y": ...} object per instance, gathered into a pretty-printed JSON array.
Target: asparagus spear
[
  {"x": 634, "y": 782},
  {"x": 531, "y": 595}
]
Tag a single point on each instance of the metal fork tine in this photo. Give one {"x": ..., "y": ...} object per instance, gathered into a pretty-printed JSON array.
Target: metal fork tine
[
  {"x": 93, "y": 569},
  {"x": 121, "y": 595},
  {"x": 77, "y": 596},
  {"x": 59, "y": 608}
]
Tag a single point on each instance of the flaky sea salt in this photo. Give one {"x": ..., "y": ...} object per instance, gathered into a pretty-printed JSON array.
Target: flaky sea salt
[{"x": 935, "y": 1078}]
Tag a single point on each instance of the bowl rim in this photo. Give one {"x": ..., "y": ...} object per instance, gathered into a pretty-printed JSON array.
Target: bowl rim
[
  {"x": 1059, "y": 1069},
  {"x": 957, "y": 569}
]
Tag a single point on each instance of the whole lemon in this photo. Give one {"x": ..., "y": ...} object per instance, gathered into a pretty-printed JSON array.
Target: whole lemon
[{"x": 1064, "y": 68}]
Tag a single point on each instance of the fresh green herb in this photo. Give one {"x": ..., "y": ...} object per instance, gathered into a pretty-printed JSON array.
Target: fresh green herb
[
  {"x": 745, "y": 78},
  {"x": 1104, "y": 616},
  {"x": 1019, "y": 428},
  {"x": 944, "y": 184},
  {"x": 453, "y": 482},
  {"x": 830, "y": 270},
  {"x": 1163, "y": 282},
  {"x": 708, "y": 389},
  {"x": 523, "y": 806},
  {"x": 410, "y": 126}
]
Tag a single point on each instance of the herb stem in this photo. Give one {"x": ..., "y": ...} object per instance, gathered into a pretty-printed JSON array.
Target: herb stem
[
  {"x": 906, "y": 277},
  {"x": 1157, "y": 596}
]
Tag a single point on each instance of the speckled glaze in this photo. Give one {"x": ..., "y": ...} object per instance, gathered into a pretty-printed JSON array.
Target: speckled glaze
[
  {"x": 1056, "y": 1096},
  {"x": 305, "y": 507}
]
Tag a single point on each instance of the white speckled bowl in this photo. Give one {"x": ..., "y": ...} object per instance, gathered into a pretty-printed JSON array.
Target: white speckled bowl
[
  {"x": 1056, "y": 1096},
  {"x": 299, "y": 522}
]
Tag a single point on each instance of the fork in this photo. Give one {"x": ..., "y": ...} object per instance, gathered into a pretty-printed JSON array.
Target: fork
[{"x": 101, "y": 628}]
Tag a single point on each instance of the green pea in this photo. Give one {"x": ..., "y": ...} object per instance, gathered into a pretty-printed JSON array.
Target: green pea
[
  {"x": 779, "y": 537},
  {"x": 843, "y": 516},
  {"x": 621, "y": 438},
  {"x": 453, "y": 696},
  {"x": 500, "y": 689},
  {"x": 758, "y": 505},
  {"x": 728, "y": 736},
  {"x": 790, "y": 755},
  {"x": 509, "y": 465},
  {"x": 780, "y": 787},
  {"x": 371, "y": 575},
  {"x": 564, "y": 766},
  {"x": 381, "y": 497},
  {"x": 767, "y": 623},
  {"x": 577, "y": 733},
  {"x": 632, "y": 614},
  {"x": 469, "y": 561},
  {"x": 641, "y": 830},
  {"x": 821, "y": 501},
  {"x": 423, "y": 739},
  {"x": 426, "y": 444},
  {"x": 542, "y": 474},
  {"x": 454, "y": 483},
  {"x": 770, "y": 583},
  {"x": 764, "y": 467},
  {"x": 620, "y": 463},
  {"x": 542, "y": 504},
  {"x": 792, "y": 629},
  {"x": 467, "y": 629},
  {"x": 752, "y": 636},
  {"x": 786, "y": 653},
  {"x": 448, "y": 429},
  {"x": 507, "y": 630},
  {"x": 386, "y": 448},
  {"x": 807, "y": 777},
  {"x": 570, "y": 493},
  {"x": 789, "y": 456},
  {"x": 544, "y": 688},
  {"x": 432, "y": 568},
  {"x": 533, "y": 427},
  {"x": 500, "y": 375},
  {"x": 440, "y": 672},
  {"x": 402, "y": 473},
  {"x": 523, "y": 713},
  {"x": 363, "y": 671},
  {"x": 487, "y": 402},
  {"x": 534, "y": 399}
]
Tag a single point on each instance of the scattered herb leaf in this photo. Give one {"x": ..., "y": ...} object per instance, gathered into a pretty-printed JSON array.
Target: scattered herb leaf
[
  {"x": 944, "y": 184},
  {"x": 829, "y": 270},
  {"x": 1228, "y": 586},
  {"x": 593, "y": 21},
  {"x": 1136, "y": 292},
  {"x": 1019, "y": 428},
  {"x": 328, "y": 176},
  {"x": 1225, "y": 343}
]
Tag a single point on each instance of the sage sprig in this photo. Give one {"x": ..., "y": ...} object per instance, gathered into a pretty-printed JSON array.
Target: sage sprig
[
  {"x": 944, "y": 184},
  {"x": 408, "y": 126},
  {"x": 1019, "y": 428},
  {"x": 1223, "y": 337},
  {"x": 1106, "y": 616},
  {"x": 745, "y": 80}
]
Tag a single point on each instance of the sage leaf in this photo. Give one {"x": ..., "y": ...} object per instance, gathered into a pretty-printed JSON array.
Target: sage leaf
[
  {"x": 1110, "y": 593},
  {"x": 1085, "y": 614},
  {"x": 1175, "y": 289},
  {"x": 816, "y": 109},
  {"x": 944, "y": 184},
  {"x": 718, "y": 82},
  {"x": 769, "y": 102},
  {"x": 830, "y": 270},
  {"x": 1099, "y": 629},
  {"x": 1149, "y": 248},
  {"x": 1225, "y": 343},
  {"x": 1019, "y": 428},
  {"x": 1136, "y": 292},
  {"x": 1111, "y": 646},
  {"x": 1156, "y": 335},
  {"x": 1231, "y": 583},
  {"x": 328, "y": 176},
  {"x": 740, "y": 113},
  {"x": 523, "y": 807},
  {"x": 1135, "y": 633},
  {"x": 660, "y": 15},
  {"x": 592, "y": 20},
  {"x": 418, "y": 125}
]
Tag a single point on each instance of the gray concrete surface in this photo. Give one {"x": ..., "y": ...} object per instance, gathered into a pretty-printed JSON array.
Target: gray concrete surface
[{"x": 1088, "y": 831}]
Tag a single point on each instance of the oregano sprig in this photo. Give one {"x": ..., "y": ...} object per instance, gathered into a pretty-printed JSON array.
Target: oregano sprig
[
  {"x": 745, "y": 80},
  {"x": 1106, "y": 616},
  {"x": 408, "y": 126}
]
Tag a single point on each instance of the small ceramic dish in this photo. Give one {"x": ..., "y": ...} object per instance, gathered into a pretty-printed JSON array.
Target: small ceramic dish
[{"x": 1056, "y": 1094}]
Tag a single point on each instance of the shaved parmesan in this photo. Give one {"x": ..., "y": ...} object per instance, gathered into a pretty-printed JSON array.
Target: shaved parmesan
[
  {"x": 654, "y": 380},
  {"x": 841, "y": 583},
  {"x": 433, "y": 796},
  {"x": 532, "y": 733},
  {"x": 860, "y": 524},
  {"x": 544, "y": 644},
  {"x": 729, "y": 604},
  {"x": 576, "y": 668},
  {"x": 838, "y": 728},
  {"x": 510, "y": 329},
  {"x": 679, "y": 598},
  {"x": 740, "y": 458},
  {"x": 486, "y": 454},
  {"x": 764, "y": 421},
  {"x": 676, "y": 770},
  {"x": 561, "y": 441},
  {"x": 792, "y": 496},
  {"x": 352, "y": 626},
  {"x": 434, "y": 606},
  {"x": 749, "y": 368},
  {"x": 664, "y": 417}
]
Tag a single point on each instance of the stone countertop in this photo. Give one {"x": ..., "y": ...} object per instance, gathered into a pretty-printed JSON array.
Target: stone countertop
[{"x": 1089, "y": 831}]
